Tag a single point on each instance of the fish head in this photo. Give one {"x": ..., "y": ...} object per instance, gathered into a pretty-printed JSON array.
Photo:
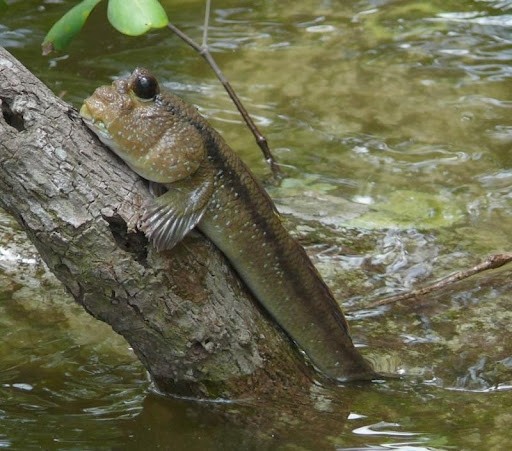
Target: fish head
[{"x": 145, "y": 127}]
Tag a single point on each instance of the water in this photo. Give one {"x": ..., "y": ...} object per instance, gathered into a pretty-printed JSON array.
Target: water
[{"x": 393, "y": 121}]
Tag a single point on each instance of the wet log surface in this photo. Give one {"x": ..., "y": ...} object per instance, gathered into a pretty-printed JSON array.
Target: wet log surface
[{"x": 184, "y": 312}]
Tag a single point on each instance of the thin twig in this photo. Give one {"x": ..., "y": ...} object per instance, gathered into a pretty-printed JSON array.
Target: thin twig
[
  {"x": 491, "y": 262},
  {"x": 204, "y": 51},
  {"x": 206, "y": 25}
]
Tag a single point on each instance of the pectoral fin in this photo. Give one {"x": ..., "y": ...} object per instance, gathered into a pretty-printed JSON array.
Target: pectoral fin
[{"x": 172, "y": 215}]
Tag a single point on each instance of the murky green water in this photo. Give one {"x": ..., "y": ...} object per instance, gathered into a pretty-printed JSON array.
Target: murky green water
[{"x": 394, "y": 121}]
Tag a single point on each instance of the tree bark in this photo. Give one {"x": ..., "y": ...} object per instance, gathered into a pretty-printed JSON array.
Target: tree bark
[{"x": 184, "y": 312}]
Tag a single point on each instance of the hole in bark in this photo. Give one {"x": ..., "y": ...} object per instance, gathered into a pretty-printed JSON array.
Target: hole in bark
[
  {"x": 133, "y": 242},
  {"x": 198, "y": 348},
  {"x": 14, "y": 119}
]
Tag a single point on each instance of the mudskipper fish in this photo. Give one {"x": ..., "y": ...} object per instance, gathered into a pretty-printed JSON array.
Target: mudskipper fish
[{"x": 166, "y": 141}]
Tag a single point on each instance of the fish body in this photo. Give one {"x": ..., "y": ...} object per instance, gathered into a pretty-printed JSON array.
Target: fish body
[{"x": 168, "y": 142}]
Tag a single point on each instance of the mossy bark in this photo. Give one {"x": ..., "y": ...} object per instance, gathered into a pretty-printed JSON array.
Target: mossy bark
[{"x": 184, "y": 312}]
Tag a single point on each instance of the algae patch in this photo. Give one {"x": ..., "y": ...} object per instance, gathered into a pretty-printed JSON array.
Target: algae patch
[{"x": 405, "y": 209}]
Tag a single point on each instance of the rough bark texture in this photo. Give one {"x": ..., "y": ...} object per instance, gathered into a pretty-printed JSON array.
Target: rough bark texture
[{"x": 184, "y": 312}]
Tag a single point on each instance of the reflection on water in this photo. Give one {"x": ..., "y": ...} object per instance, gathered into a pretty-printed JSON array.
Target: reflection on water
[{"x": 392, "y": 119}]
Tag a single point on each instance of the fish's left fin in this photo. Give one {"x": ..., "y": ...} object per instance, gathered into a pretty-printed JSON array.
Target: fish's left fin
[{"x": 169, "y": 217}]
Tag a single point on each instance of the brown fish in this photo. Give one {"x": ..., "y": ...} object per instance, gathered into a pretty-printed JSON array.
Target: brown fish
[{"x": 168, "y": 142}]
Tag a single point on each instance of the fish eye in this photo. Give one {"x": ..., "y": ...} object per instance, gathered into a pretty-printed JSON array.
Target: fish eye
[{"x": 145, "y": 87}]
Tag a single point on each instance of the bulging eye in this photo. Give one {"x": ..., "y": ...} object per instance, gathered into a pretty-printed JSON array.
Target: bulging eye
[{"x": 145, "y": 87}]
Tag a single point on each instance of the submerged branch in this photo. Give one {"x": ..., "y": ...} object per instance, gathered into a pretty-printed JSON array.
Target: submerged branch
[
  {"x": 204, "y": 51},
  {"x": 491, "y": 262}
]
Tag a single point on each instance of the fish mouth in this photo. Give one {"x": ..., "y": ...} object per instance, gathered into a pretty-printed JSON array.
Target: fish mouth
[
  {"x": 97, "y": 126},
  {"x": 85, "y": 113}
]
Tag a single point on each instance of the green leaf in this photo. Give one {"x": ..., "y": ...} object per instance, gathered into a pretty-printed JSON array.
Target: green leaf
[
  {"x": 67, "y": 27},
  {"x": 136, "y": 17}
]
